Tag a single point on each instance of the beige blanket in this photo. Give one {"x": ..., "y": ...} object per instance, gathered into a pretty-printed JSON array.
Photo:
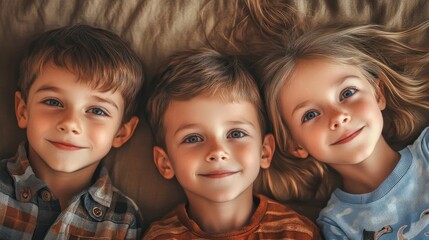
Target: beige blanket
[{"x": 155, "y": 29}]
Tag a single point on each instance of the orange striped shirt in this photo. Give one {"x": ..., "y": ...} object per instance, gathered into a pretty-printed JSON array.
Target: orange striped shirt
[{"x": 271, "y": 220}]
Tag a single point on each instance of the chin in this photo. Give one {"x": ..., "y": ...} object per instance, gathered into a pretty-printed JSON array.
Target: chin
[{"x": 360, "y": 156}]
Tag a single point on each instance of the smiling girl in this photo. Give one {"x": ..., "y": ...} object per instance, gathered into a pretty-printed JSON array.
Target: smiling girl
[{"x": 344, "y": 95}]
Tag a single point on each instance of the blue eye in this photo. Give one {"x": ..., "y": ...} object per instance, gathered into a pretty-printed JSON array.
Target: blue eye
[
  {"x": 193, "y": 139},
  {"x": 309, "y": 115},
  {"x": 53, "y": 102},
  {"x": 97, "y": 111},
  {"x": 236, "y": 134},
  {"x": 347, "y": 93}
]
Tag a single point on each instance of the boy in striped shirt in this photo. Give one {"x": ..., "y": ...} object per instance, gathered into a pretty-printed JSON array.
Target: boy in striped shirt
[{"x": 209, "y": 128}]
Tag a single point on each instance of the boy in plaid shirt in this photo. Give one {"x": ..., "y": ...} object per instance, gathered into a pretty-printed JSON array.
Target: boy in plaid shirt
[{"x": 76, "y": 99}]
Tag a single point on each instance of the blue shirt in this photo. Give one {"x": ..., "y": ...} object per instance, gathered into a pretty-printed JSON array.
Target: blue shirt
[{"x": 397, "y": 209}]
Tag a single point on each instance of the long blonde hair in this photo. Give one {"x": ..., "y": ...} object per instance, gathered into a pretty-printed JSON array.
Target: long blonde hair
[{"x": 401, "y": 68}]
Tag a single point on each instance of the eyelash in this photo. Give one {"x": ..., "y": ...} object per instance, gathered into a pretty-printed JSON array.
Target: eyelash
[
  {"x": 56, "y": 103},
  {"x": 307, "y": 117},
  {"x": 242, "y": 134},
  {"x": 196, "y": 138},
  {"x": 103, "y": 113},
  {"x": 52, "y": 102},
  {"x": 350, "y": 89}
]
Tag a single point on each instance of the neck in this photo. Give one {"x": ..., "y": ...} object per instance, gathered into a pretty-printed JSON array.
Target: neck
[
  {"x": 63, "y": 185},
  {"x": 367, "y": 175},
  {"x": 219, "y": 217}
]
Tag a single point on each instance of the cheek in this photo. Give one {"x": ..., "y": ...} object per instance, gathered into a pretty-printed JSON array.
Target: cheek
[
  {"x": 369, "y": 110},
  {"x": 310, "y": 135},
  {"x": 247, "y": 154},
  {"x": 101, "y": 134},
  {"x": 38, "y": 125},
  {"x": 249, "y": 150},
  {"x": 185, "y": 158}
]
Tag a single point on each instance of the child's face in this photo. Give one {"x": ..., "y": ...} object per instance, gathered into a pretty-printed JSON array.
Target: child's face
[
  {"x": 332, "y": 112},
  {"x": 69, "y": 125},
  {"x": 214, "y": 148}
]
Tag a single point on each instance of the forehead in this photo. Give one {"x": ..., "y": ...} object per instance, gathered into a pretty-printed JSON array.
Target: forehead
[
  {"x": 61, "y": 81},
  {"x": 314, "y": 78},
  {"x": 323, "y": 69},
  {"x": 57, "y": 75},
  {"x": 208, "y": 111},
  {"x": 315, "y": 72}
]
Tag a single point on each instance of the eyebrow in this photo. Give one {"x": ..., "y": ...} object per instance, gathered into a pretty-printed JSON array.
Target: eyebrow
[
  {"x": 106, "y": 100},
  {"x": 184, "y": 127},
  {"x": 193, "y": 125},
  {"x": 47, "y": 88},
  {"x": 338, "y": 82}
]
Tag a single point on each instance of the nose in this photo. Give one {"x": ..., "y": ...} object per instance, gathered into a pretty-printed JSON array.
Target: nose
[
  {"x": 338, "y": 119},
  {"x": 217, "y": 153},
  {"x": 70, "y": 123}
]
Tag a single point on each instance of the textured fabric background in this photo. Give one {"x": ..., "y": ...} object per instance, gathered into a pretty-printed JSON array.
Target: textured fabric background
[{"x": 154, "y": 29}]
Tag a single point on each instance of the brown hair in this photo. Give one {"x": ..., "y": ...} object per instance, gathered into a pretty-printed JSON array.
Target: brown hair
[
  {"x": 98, "y": 57},
  {"x": 192, "y": 73}
]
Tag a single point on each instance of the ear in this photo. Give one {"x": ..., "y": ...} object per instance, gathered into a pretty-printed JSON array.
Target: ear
[
  {"x": 300, "y": 152},
  {"x": 125, "y": 132},
  {"x": 20, "y": 110},
  {"x": 268, "y": 148},
  {"x": 162, "y": 162},
  {"x": 379, "y": 91},
  {"x": 297, "y": 151}
]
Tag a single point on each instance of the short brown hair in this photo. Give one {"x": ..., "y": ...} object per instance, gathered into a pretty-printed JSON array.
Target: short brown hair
[
  {"x": 199, "y": 72},
  {"x": 98, "y": 57}
]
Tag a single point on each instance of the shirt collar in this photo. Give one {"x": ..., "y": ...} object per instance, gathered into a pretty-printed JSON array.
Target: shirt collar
[
  {"x": 25, "y": 180},
  {"x": 23, "y": 176},
  {"x": 102, "y": 190}
]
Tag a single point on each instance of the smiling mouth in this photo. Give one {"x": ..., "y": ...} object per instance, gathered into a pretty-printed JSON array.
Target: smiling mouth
[
  {"x": 348, "y": 138},
  {"x": 65, "y": 146},
  {"x": 218, "y": 174}
]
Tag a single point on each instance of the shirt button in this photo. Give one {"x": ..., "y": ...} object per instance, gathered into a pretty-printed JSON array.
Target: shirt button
[
  {"x": 97, "y": 211},
  {"x": 26, "y": 195},
  {"x": 46, "y": 196}
]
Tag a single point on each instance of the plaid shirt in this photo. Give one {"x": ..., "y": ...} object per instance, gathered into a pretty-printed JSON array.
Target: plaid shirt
[{"x": 28, "y": 210}]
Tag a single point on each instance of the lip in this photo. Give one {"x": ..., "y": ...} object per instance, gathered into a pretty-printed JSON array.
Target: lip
[
  {"x": 347, "y": 137},
  {"x": 218, "y": 174},
  {"x": 65, "y": 146}
]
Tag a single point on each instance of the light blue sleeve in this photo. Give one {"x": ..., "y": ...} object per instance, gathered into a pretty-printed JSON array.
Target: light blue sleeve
[
  {"x": 425, "y": 144},
  {"x": 330, "y": 229}
]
